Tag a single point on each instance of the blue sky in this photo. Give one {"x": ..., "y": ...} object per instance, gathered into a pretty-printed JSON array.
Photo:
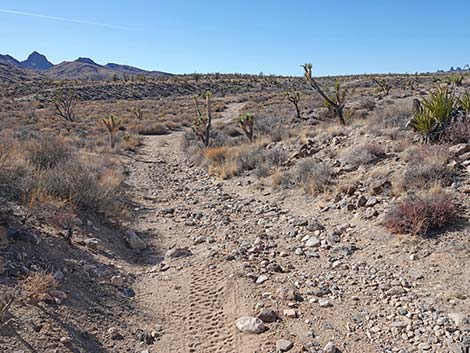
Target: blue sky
[{"x": 336, "y": 36}]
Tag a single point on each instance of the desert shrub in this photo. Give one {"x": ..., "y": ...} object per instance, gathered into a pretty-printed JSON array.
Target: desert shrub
[
  {"x": 364, "y": 154},
  {"x": 83, "y": 183},
  {"x": 271, "y": 127},
  {"x": 275, "y": 157},
  {"x": 459, "y": 132},
  {"x": 313, "y": 176},
  {"x": 419, "y": 215},
  {"x": 426, "y": 166},
  {"x": 150, "y": 128},
  {"x": 47, "y": 153}
]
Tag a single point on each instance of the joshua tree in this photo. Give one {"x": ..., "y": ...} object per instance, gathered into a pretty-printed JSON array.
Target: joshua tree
[
  {"x": 335, "y": 103},
  {"x": 384, "y": 86},
  {"x": 294, "y": 98},
  {"x": 111, "y": 124},
  {"x": 246, "y": 122},
  {"x": 64, "y": 102},
  {"x": 138, "y": 112},
  {"x": 202, "y": 123}
]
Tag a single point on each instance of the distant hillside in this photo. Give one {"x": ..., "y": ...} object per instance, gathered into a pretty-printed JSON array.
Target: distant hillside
[
  {"x": 83, "y": 68},
  {"x": 13, "y": 74}
]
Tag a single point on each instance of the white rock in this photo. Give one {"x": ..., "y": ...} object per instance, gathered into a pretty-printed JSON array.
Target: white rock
[{"x": 250, "y": 324}]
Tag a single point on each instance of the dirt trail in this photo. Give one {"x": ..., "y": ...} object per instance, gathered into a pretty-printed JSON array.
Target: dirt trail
[{"x": 197, "y": 299}]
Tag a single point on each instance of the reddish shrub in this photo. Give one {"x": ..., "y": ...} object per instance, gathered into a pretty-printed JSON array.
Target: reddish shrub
[{"x": 418, "y": 215}]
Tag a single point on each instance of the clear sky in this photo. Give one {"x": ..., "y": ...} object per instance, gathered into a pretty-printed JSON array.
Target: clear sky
[{"x": 249, "y": 36}]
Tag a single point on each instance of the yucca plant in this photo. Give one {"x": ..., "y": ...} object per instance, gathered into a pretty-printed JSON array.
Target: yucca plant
[
  {"x": 335, "y": 103},
  {"x": 246, "y": 122},
  {"x": 455, "y": 80},
  {"x": 202, "y": 123},
  {"x": 434, "y": 114},
  {"x": 464, "y": 102},
  {"x": 112, "y": 125}
]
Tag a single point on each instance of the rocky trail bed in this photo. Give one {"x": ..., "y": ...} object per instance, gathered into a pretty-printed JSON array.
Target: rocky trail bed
[{"x": 320, "y": 278}]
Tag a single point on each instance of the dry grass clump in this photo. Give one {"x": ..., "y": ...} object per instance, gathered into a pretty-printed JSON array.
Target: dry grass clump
[
  {"x": 38, "y": 285},
  {"x": 419, "y": 215},
  {"x": 427, "y": 165},
  {"x": 313, "y": 176},
  {"x": 229, "y": 161},
  {"x": 364, "y": 154},
  {"x": 394, "y": 116}
]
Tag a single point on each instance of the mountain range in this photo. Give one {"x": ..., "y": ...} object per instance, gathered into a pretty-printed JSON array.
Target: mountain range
[{"x": 37, "y": 65}]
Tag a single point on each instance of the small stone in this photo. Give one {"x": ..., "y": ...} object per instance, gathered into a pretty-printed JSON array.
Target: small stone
[
  {"x": 284, "y": 345},
  {"x": 324, "y": 303},
  {"x": 290, "y": 313},
  {"x": 94, "y": 243},
  {"x": 133, "y": 241},
  {"x": 178, "y": 252},
  {"x": 117, "y": 281},
  {"x": 330, "y": 348},
  {"x": 268, "y": 315},
  {"x": 424, "y": 346},
  {"x": 312, "y": 242},
  {"x": 65, "y": 340},
  {"x": 113, "y": 332},
  {"x": 372, "y": 201},
  {"x": 261, "y": 279},
  {"x": 250, "y": 324},
  {"x": 361, "y": 201}
]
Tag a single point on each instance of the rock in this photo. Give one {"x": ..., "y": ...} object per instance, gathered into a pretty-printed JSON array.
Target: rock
[
  {"x": 312, "y": 242},
  {"x": 261, "y": 279},
  {"x": 178, "y": 252},
  {"x": 324, "y": 303},
  {"x": 361, "y": 201},
  {"x": 372, "y": 201},
  {"x": 58, "y": 294},
  {"x": 424, "y": 346},
  {"x": 250, "y": 324},
  {"x": 133, "y": 241},
  {"x": 117, "y": 281},
  {"x": 113, "y": 332},
  {"x": 268, "y": 315},
  {"x": 290, "y": 313},
  {"x": 314, "y": 225},
  {"x": 459, "y": 149},
  {"x": 330, "y": 348},
  {"x": 94, "y": 243},
  {"x": 397, "y": 290},
  {"x": 65, "y": 340},
  {"x": 286, "y": 293},
  {"x": 284, "y": 345}
]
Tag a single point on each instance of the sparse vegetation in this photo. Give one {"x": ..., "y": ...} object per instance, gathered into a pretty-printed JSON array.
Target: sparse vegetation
[
  {"x": 433, "y": 115},
  {"x": 383, "y": 85},
  {"x": 112, "y": 125},
  {"x": 294, "y": 98},
  {"x": 420, "y": 215},
  {"x": 247, "y": 123},
  {"x": 64, "y": 103},
  {"x": 202, "y": 123},
  {"x": 334, "y": 103}
]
